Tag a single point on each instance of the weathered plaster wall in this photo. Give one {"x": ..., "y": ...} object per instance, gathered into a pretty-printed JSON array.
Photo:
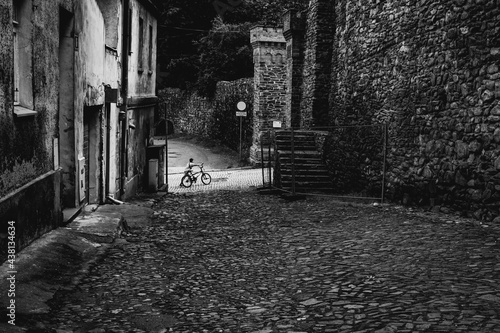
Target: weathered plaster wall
[
  {"x": 31, "y": 138},
  {"x": 7, "y": 139},
  {"x": 431, "y": 69},
  {"x": 112, "y": 12},
  {"x": 89, "y": 76},
  {"x": 141, "y": 95},
  {"x": 36, "y": 207},
  {"x": 142, "y": 81},
  {"x": 90, "y": 54},
  {"x": 112, "y": 76}
]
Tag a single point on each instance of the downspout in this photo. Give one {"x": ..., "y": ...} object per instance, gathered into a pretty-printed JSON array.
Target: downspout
[{"x": 124, "y": 93}]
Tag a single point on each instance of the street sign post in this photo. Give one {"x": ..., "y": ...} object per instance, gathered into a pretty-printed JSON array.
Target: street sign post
[{"x": 240, "y": 114}]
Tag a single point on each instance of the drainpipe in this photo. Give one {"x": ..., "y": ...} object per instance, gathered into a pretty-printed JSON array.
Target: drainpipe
[{"x": 124, "y": 93}]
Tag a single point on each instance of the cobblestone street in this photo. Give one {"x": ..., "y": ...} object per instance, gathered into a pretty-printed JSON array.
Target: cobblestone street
[
  {"x": 231, "y": 261},
  {"x": 229, "y": 179}
]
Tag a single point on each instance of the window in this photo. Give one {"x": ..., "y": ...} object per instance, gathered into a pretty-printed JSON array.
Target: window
[
  {"x": 141, "y": 44},
  {"x": 150, "y": 54},
  {"x": 23, "y": 67}
]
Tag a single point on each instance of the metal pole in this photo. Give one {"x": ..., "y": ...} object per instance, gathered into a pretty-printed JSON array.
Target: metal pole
[
  {"x": 269, "y": 156},
  {"x": 166, "y": 147},
  {"x": 262, "y": 162},
  {"x": 384, "y": 164},
  {"x": 293, "y": 163},
  {"x": 124, "y": 94},
  {"x": 241, "y": 121}
]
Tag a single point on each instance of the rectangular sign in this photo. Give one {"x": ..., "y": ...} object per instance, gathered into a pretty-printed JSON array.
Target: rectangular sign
[
  {"x": 276, "y": 124},
  {"x": 241, "y": 114}
]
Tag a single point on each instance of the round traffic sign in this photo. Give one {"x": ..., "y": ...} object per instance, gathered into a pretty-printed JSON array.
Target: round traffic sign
[{"x": 241, "y": 106}]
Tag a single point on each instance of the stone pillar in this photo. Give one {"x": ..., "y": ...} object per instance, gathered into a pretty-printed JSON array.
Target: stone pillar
[
  {"x": 269, "y": 48},
  {"x": 320, "y": 35},
  {"x": 293, "y": 22}
]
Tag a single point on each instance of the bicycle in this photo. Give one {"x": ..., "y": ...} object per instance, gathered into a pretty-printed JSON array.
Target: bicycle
[{"x": 190, "y": 178}]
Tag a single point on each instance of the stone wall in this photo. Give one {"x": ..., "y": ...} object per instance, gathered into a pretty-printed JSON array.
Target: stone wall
[
  {"x": 430, "y": 69},
  {"x": 212, "y": 118},
  {"x": 293, "y": 30},
  {"x": 30, "y": 138},
  {"x": 320, "y": 29},
  {"x": 270, "y": 84}
]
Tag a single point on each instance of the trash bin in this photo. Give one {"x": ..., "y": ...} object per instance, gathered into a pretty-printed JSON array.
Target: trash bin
[{"x": 153, "y": 175}]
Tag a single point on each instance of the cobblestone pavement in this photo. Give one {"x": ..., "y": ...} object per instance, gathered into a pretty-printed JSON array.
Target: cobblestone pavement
[
  {"x": 229, "y": 179},
  {"x": 235, "y": 261}
]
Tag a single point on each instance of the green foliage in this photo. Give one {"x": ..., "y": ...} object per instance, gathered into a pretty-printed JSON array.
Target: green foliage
[
  {"x": 224, "y": 125},
  {"x": 225, "y": 55},
  {"x": 202, "y": 42},
  {"x": 21, "y": 173},
  {"x": 267, "y": 12},
  {"x": 182, "y": 72}
]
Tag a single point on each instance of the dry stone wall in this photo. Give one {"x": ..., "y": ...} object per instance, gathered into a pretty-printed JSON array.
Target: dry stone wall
[
  {"x": 431, "y": 70},
  {"x": 213, "y": 118}
]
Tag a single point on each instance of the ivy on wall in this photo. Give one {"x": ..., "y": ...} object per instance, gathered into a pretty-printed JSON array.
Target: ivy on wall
[{"x": 214, "y": 118}]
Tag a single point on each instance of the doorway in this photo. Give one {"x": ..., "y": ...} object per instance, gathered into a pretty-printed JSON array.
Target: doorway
[{"x": 92, "y": 150}]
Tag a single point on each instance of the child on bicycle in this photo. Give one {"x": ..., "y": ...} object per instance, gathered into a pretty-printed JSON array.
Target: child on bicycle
[{"x": 189, "y": 168}]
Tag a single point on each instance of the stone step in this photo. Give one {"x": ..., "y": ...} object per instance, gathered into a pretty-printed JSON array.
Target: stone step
[
  {"x": 299, "y": 161},
  {"x": 308, "y": 186},
  {"x": 311, "y": 175},
  {"x": 306, "y": 179},
  {"x": 319, "y": 190},
  {"x": 299, "y": 153},
  {"x": 296, "y": 147},
  {"x": 288, "y": 143},
  {"x": 297, "y": 138},
  {"x": 296, "y": 132},
  {"x": 319, "y": 170}
]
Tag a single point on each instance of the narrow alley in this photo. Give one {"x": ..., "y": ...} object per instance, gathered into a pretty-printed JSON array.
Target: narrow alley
[{"x": 238, "y": 261}]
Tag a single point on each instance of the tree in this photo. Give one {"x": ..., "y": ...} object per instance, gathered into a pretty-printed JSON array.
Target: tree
[
  {"x": 201, "y": 42},
  {"x": 225, "y": 54}
]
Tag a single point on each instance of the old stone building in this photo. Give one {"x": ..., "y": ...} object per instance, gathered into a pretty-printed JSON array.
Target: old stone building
[
  {"x": 77, "y": 82},
  {"x": 427, "y": 69}
]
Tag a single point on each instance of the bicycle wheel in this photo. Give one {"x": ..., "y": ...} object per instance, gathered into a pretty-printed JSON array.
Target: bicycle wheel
[
  {"x": 186, "y": 181},
  {"x": 206, "y": 178}
]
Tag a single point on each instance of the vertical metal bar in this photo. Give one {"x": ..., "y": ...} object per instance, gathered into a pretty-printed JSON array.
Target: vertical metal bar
[
  {"x": 241, "y": 133},
  {"x": 124, "y": 93},
  {"x": 269, "y": 156},
  {"x": 293, "y": 162},
  {"x": 385, "y": 159},
  {"x": 166, "y": 146},
  {"x": 262, "y": 162}
]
